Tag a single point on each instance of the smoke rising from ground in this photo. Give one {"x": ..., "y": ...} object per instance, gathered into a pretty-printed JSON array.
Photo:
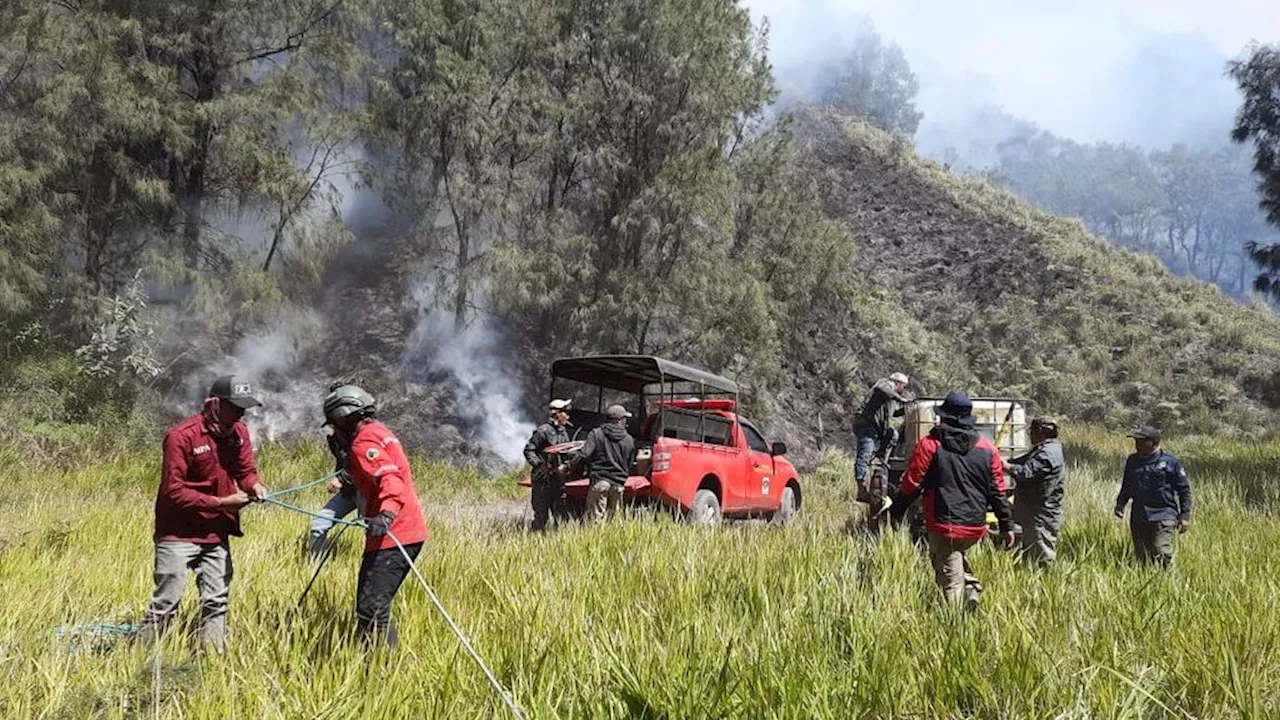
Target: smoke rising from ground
[
  {"x": 471, "y": 361},
  {"x": 285, "y": 359}
]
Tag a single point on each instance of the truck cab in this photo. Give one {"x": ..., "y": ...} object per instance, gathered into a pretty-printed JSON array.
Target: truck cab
[{"x": 694, "y": 453}]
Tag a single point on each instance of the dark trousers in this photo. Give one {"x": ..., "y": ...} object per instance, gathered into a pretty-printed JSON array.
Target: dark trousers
[
  {"x": 547, "y": 496},
  {"x": 1153, "y": 541},
  {"x": 381, "y": 573}
]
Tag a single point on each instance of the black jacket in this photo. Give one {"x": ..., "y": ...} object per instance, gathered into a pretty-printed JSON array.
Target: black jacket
[
  {"x": 342, "y": 456},
  {"x": 881, "y": 405},
  {"x": 1158, "y": 486},
  {"x": 544, "y": 437},
  {"x": 961, "y": 475},
  {"x": 608, "y": 454}
]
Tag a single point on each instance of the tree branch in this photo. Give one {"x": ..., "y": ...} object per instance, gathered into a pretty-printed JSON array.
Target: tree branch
[{"x": 292, "y": 42}]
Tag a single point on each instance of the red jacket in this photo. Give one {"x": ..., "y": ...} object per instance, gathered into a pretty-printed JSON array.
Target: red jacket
[
  {"x": 198, "y": 469},
  {"x": 962, "y": 475},
  {"x": 383, "y": 478}
]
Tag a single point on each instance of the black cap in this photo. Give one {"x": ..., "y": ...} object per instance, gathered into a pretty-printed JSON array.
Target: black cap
[
  {"x": 235, "y": 391},
  {"x": 958, "y": 406},
  {"x": 1145, "y": 432}
]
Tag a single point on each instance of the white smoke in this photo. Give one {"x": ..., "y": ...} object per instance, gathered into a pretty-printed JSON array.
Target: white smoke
[
  {"x": 488, "y": 396},
  {"x": 268, "y": 359}
]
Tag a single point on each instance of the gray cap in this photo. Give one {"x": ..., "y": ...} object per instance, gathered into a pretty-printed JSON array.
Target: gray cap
[
  {"x": 235, "y": 390},
  {"x": 1145, "y": 432},
  {"x": 616, "y": 412},
  {"x": 1044, "y": 422}
]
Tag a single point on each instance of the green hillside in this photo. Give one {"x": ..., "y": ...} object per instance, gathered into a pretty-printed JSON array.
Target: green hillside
[{"x": 963, "y": 285}]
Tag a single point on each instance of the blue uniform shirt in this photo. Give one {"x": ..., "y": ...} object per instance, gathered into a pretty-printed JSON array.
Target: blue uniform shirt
[{"x": 1158, "y": 486}]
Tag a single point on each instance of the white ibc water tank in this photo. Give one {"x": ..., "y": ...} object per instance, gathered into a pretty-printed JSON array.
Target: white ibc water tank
[{"x": 1003, "y": 422}]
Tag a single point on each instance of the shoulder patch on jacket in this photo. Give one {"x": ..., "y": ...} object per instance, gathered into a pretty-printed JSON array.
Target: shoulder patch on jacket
[{"x": 372, "y": 453}]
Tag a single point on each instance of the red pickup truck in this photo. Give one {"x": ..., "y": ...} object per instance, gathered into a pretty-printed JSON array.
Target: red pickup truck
[{"x": 694, "y": 453}]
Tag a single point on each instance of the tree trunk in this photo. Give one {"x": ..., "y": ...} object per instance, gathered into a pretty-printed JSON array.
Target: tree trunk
[{"x": 462, "y": 287}]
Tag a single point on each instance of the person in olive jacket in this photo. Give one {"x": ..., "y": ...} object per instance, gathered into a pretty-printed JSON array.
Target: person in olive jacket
[
  {"x": 1157, "y": 484},
  {"x": 1040, "y": 477}
]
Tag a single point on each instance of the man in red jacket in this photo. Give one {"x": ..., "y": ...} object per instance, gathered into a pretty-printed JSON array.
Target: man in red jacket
[
  {"x": 382, "y": 477},
  {"x": 961, "y": 475},
  {"x": 208, "y": 474}
]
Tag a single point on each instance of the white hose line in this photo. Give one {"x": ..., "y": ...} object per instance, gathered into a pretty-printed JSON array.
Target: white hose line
[{"x": 506, "y": 696}]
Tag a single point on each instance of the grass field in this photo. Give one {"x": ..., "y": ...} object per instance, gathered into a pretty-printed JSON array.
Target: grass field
[{"x": 646, "y": 618}]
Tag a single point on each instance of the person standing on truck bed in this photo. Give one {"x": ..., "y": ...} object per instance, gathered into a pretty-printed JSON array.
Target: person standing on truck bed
[
  {"x": 961, "y": 474},
  {"x": 607, "y": 454},
  {"x": 1157, "y": 484},
  {"x": 548, "y": 486},
  {"x": 1040, "y": 476},
  {"x": 875, "y": 434}
]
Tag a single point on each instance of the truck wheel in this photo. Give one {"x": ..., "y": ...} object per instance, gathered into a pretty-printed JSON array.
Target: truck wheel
[
  {"x": 705, "y": 509},
  {"x": 786, "y": 511}
]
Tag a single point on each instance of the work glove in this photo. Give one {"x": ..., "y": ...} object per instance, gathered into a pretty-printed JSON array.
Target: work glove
[
  {"x": 1184, "y": 524},
  {"x": 1120, "y": 513},
  {"x": 379, "y": 524}
]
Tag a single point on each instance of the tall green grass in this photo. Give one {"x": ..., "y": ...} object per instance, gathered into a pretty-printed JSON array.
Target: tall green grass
[{"x": 648, "y": 618}]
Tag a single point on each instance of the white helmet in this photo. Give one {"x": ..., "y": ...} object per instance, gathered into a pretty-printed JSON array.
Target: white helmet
[
  {"x": 900, "y": 378},
  {"x": 559, "y": 405}
]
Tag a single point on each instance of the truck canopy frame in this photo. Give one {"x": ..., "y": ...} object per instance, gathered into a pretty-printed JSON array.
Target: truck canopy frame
[
  {"x": 633, "y": 373},
  {"x": 652, "y": 379}
]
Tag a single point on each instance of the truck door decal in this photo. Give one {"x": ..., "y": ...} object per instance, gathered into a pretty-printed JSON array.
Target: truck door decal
[{"x": 764, "y": 486}]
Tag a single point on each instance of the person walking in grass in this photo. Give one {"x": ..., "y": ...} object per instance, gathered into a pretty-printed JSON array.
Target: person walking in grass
[
  {"x": 1040, "y": 477},
  {"x": 960, "y": 474},
  {"x": 208, "y": 473},
  {"x": 608, "y": 454},
  {"x": 1157, "y": 484},
  {"x": 384, "y": 480}
]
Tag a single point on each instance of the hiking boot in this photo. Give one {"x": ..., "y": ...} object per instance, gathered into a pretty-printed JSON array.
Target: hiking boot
[{"x": 971, "y": 600}]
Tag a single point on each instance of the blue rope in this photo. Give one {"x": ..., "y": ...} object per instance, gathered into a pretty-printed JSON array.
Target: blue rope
[
  {"x": 304, "y": 486},
  {"x": 337, "y": 521},
  {"x": 97, "y": 629}
]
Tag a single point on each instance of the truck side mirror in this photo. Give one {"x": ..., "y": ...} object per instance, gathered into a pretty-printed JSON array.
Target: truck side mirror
[{"x": 779, "y": 448}]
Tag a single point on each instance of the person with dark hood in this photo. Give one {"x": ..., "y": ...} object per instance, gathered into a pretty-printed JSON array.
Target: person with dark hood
[
  {"x": 1040, "y": 477},
  {"x": 608, "y": 454},
  {"x": 207, "y": 475},
  {"x": 1157, "y": 483},
  {"x": 548, "y": 485},
  {"x": 961, "y": 475}
]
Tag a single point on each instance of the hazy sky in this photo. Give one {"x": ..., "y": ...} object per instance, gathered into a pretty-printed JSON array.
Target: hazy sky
[{"x": 1145, "y": 71}]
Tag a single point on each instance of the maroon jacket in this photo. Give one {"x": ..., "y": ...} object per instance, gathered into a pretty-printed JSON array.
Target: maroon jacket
[{"x": 198, "y": 469}]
